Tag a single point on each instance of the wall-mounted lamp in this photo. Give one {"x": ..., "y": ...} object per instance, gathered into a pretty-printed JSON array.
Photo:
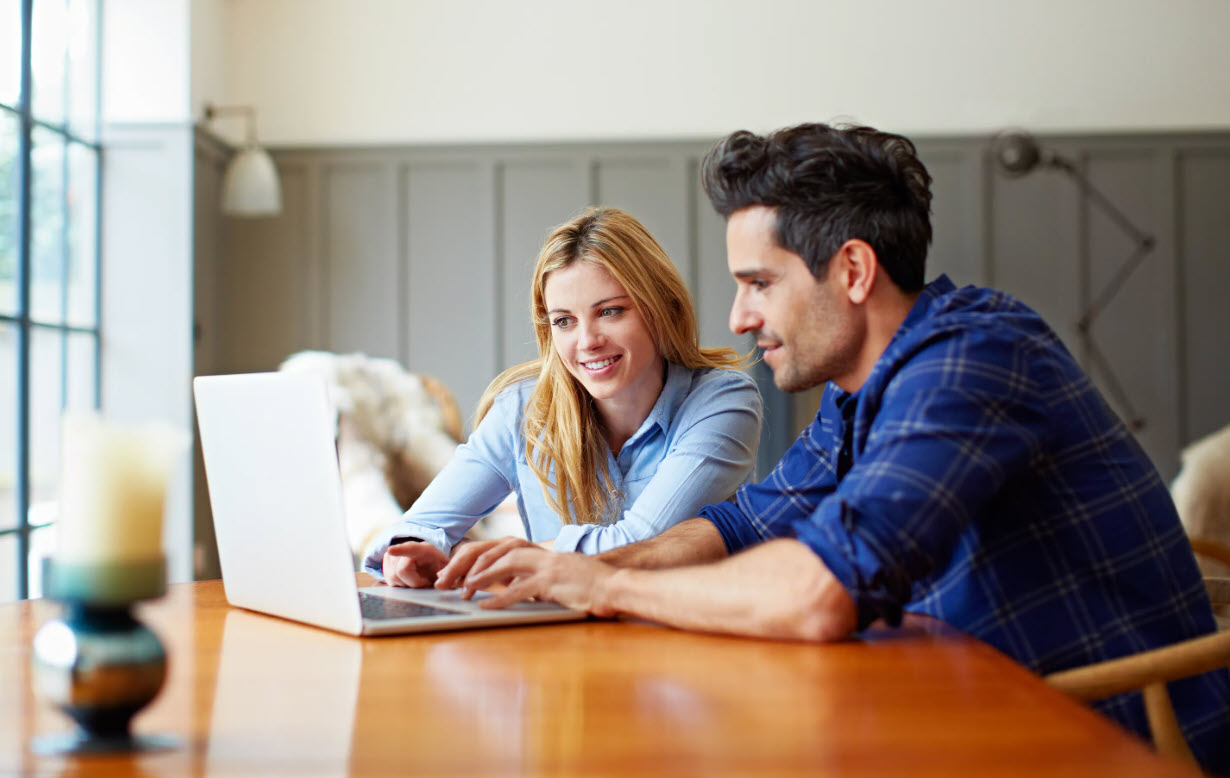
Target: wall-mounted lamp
[
  {"x": 1017, "y": 153},
  {"x": 250, "y": 185}
]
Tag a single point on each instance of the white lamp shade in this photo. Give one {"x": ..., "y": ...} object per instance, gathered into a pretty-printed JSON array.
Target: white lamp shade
[{"x": 250, "y": 186}]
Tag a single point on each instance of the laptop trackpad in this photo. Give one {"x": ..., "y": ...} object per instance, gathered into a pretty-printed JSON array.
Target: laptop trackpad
[{"x": 450, "y": 600}]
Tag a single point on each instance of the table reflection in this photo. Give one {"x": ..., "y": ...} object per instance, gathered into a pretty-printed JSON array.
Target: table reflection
[{"x": 285, "y": 697}]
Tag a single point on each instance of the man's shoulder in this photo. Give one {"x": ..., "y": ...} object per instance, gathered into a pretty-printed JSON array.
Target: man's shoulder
[
  {"x": 976, "y": 339},
  {"x": 980, "y": 316}
]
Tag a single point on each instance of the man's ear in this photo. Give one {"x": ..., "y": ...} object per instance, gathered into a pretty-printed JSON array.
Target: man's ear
[{"x": 857, "y": 267}]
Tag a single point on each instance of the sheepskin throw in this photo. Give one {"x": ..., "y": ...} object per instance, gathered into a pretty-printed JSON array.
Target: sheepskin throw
[
  {"x": 1201, "y": 492},
  {"x": 395, "y": 431}
]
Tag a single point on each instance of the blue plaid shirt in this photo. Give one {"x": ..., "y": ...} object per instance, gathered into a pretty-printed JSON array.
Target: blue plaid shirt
[{"x": 978, "y": 477}]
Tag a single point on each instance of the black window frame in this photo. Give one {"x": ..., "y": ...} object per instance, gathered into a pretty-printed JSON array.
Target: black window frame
[{"x": 23, "y": 322}]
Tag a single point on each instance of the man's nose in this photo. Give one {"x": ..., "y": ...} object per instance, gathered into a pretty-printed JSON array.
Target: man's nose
[{"x": 742, "y": 317}]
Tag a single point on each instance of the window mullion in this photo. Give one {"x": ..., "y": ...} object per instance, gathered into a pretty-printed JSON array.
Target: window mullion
[{"x": 24, "y": 230}]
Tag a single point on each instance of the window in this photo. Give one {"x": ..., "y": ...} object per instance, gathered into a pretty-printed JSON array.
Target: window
[{"x": 49, "y": 259}]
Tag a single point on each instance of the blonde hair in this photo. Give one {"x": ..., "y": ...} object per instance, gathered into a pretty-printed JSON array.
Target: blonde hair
[{"x": 562, "y": 427}]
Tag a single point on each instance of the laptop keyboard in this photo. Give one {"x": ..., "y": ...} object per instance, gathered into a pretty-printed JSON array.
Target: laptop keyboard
[{"x": 375, "y": 607}]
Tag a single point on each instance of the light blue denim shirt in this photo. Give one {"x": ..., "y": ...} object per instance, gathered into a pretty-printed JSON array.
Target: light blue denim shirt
[{"x": 696, "y": 447}]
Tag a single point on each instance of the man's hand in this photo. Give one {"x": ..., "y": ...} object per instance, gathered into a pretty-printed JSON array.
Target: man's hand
[
  {"x": 413, "y": 564},
  {"x": 571, "y": 579},
  {"x": 474, "y": 556}
]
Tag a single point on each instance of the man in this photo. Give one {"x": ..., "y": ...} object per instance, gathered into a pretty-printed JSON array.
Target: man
[{"x": 961, "y": 465}]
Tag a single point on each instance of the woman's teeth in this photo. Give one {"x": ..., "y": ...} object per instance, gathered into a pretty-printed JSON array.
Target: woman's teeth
[{"x": 599, "y": 364}]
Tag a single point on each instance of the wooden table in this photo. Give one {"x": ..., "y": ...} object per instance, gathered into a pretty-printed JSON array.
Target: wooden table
[{"x": 252, "y": 695}]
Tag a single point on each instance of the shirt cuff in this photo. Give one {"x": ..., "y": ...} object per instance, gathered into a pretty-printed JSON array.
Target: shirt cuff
[
  {"x": 737, "y": 532},
  {"x": 569, "y": 538},
  {"x": 876, "y": 592}
]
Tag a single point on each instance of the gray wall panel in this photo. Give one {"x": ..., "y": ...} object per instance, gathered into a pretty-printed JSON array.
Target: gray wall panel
[
  {"x": 715, "y": 289},
  {"x": 1035, "y": 245},
  {"x": 535, "y": 196},
  {"x": 485, "y": 210},
  {"x": 361, "y": 259},
  {"x": 1135, "y": 332},
  {"x": 265, "y": 313},
  {"x": 655, "y": 191},
  {"x": 1204, "y": 235},
  {"x": 450, "y": 290},
  {"x": 956, "y": 215}
]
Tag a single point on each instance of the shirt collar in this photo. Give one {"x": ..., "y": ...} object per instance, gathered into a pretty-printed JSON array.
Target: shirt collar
[
  {"x": 937, "y": 288},
  {"x": 846, "y": 401}
]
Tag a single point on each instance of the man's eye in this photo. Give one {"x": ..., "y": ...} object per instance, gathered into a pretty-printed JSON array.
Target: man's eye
[{"x": 758, "y": 284}]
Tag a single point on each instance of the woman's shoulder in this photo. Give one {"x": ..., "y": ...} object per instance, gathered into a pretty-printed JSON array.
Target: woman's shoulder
[
  {"x": 512, "y": 399},
  {"x": 507, "y": 407},
  {"x": 714, "y": 379},
  {"x": 716, "y": 388}
]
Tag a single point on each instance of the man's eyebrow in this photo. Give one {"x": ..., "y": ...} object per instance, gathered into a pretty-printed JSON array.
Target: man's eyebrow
[
  {"x": 752, "y": 273},
  {"x": 601, "y": 302}
]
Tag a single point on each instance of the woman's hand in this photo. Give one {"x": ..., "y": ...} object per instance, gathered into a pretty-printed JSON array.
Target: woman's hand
[
  {"x": 415, "y": 564},
  {"x": 473, "y": 557}
]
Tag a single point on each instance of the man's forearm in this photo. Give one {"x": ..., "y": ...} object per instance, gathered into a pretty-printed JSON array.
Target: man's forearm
[
  {"x": 779, "y": 589},
  {"x": 692, "y": 542}
]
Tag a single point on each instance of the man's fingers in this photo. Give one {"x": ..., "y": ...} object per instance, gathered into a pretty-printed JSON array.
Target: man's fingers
[
  {"x": 502, "y": 570},
  {"x": 459, "y": 566},
  {"x": 494, "y": 554},
  {"x": 518, "y": 590}
]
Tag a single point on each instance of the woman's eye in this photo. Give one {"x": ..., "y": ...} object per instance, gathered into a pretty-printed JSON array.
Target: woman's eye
[
  {"x": 611, "y": 311},
  {"x": 563, "y": 322}
]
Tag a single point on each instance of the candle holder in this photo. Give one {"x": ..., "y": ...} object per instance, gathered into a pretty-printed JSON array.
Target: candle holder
[{"x": 97, "y": 663}]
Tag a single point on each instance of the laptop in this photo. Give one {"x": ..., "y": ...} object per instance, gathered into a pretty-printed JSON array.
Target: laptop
[{"x": 276, "y": 495}]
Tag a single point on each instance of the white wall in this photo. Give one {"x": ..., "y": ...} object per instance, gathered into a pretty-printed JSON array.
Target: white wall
[
  {"x": 398, "y": 71},
  {"x": 146, "y": 278},
  {"x": 145, "y": 61},
  {"x": 207, "y": 82}
]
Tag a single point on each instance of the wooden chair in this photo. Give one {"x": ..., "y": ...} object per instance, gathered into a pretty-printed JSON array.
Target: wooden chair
[
  {"x": 1212, "y": 549},
  {"x": 1150, "y": 671}
]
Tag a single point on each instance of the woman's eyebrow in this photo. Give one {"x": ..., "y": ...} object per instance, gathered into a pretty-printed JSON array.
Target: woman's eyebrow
[
  {"x": 601, "y": 302},
  {"x": 606, "y": 300}
]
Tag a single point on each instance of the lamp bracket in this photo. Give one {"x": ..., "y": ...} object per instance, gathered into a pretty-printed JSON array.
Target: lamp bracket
[{"x": 248, "y": 112}]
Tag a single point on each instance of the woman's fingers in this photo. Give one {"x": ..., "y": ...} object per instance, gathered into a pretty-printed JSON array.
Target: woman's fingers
[{"x": 413, "y": 564}]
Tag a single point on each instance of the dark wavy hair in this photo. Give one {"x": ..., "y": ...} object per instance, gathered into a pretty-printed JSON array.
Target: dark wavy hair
[{"x": 829, "y": 185}]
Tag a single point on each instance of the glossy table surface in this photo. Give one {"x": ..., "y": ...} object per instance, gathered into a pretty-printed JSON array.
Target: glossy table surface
[{"x": 252, "y": 695}]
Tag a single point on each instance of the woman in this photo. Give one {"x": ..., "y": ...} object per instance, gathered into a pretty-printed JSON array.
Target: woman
[{"x": 621, "y": 428}]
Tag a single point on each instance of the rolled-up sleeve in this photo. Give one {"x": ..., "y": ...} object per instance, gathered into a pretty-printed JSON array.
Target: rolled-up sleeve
[
  {"x": 480, "y": 475},
  {"x": 803, "y": 477},
  {"x": 713, "y": 451}
]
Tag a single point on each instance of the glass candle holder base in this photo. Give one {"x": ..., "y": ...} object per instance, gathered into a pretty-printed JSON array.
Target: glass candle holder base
[
  {"x": 98, "y": 664},
  {"x": 84, "y": 744}
]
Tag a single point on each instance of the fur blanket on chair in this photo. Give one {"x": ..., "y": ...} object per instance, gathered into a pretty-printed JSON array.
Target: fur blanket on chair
[
  {"x": 1201, "y": 492},
  {"x": 395, "y": 431}
]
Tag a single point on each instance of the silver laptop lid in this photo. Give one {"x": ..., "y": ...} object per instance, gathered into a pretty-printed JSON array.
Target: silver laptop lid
[{"x": 274, "y": 488}]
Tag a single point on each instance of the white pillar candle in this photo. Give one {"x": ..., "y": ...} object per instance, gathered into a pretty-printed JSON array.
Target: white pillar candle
[{"x": 113, "y": 485}]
